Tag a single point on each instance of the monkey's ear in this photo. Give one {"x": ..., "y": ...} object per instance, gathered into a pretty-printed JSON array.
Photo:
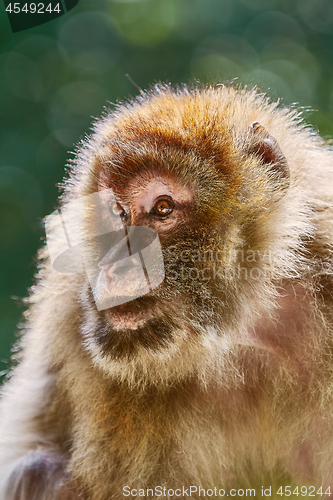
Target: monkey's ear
[{"x": 266, "y": 146}]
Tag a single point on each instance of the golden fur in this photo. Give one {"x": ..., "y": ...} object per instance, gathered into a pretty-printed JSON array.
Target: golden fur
[{"x": 249, "y": 395}]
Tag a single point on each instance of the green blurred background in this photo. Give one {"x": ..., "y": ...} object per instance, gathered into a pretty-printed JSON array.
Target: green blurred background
[{"x": 55, "y": 77}]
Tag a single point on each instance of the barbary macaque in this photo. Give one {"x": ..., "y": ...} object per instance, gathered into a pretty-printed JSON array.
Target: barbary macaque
[{"x": 184, "y": 337}]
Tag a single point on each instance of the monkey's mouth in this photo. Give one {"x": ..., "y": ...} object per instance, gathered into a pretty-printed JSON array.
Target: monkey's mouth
[
  {"x": 140, "y": 324},
  {"x": 131, "y": 315}
]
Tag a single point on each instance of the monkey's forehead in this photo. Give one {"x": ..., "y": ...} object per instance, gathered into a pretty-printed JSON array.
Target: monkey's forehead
[
  {"x": 210, "y": 125},
  {"x": 200, "y": 135},
  {"x": 186, "y": 115},
  {"x": 184, "y": 133}
]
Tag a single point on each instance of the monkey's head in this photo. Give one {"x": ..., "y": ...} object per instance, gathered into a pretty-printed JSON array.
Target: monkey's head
[{"x": 202, "y": 171}]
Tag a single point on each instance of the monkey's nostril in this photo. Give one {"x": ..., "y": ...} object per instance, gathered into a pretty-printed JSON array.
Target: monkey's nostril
[
  {"x": 116, "y": 269},
  {"x": 119, "y": 269}
]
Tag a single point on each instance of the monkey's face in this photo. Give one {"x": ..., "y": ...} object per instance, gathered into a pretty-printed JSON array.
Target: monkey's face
[
  {"x": 203, "y": 197},
  {"x": 192, "y": 235}
]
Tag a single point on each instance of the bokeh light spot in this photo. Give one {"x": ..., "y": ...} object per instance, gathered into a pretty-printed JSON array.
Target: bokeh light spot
[
  {"x": 224, "y": 57},
  {"x": 146, "y": 22},
  {"x": 317, "y": 14},
  {"x": 23, "y": 77},
  {"x": 74, "y": 105},
  {"x": 91, "y": 32},
  {"x": 272, "y": 24}
]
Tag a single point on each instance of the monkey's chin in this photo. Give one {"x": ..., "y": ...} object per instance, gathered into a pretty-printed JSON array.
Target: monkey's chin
[
  {"x": 125, "y": 321},
  {"x": 130, "y": 315}
]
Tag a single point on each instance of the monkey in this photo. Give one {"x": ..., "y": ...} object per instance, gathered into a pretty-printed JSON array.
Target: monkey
[{"x": 205, "y": 362}]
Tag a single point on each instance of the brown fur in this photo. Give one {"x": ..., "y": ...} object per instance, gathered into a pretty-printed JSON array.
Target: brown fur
[{"x": 225, "y": 381}]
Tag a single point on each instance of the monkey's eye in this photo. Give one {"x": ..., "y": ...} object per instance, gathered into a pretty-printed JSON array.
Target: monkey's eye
[
  {"x": 117, "y": 209},
  {"x": 163, "y": 207}
]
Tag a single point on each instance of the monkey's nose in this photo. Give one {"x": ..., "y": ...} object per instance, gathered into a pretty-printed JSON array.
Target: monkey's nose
[
  {"x": 122, "y": 272},
  {"x": 119, "y": 268}
]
